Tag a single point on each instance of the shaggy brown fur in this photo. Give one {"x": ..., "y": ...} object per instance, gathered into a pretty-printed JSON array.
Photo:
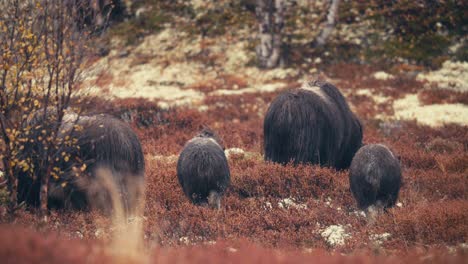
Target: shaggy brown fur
[
  {"x": 312, "y": 124},
  {"x": 103, "y": 142},
  {"x": 202, "y": 169},
  {"x": 375, "y": 177}
]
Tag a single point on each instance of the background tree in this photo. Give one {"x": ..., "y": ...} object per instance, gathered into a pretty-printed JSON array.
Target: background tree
[
  {"x": 330, "y": 24},
  {"x": 270, "y": 16},
  {"x": 43, "y": 44}
]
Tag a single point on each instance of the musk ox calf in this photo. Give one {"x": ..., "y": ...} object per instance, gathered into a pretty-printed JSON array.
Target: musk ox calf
[
  {"x": 105, "y": 165},
  {"x": 313, "y": 124},
  {"x": 375, "y": 177},
  {"x": 203, "y": 170}
]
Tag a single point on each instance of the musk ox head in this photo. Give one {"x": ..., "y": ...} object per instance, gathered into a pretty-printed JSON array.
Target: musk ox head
[
  {"x": 313, "y": 124},
  {"x": 207, "y": 132},
  {"x": 375, "y": 177},
  {"x": 203, "y": 170}
]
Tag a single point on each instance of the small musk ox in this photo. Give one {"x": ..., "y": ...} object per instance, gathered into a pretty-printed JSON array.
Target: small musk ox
[
  {"x": 375, "y": 177},
  {"x": 202, "y": 169},
  {"x": 313, "y": 124},
  {"x": 107, "y": 160}
]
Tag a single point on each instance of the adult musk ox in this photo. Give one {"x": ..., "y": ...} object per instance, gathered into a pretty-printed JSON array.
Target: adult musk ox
[
  {"x": 375, "y": 177},
  {"x": 106, "y": 160},
  {"x": 203, "y": 170},
  {"x": 313, "y": 124}
]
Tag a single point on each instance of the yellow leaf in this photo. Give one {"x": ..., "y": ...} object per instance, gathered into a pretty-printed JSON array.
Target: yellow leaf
[{"x": 25, "y": 167}]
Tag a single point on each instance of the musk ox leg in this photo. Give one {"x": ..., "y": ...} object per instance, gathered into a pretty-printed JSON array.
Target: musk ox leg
[{"x": 214, "y": 200}]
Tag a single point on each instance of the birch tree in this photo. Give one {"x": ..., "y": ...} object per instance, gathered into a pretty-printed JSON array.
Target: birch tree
[
  {"x": 270, "y": 16},
  {"x": 43, "y": 44},
  {"x": 330, "y": 24}
]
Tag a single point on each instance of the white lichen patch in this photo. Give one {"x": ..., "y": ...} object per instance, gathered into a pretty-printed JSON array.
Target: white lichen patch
[
  {"x": 231, "y": 249},
  {"x": 269, "y": 87},
  {"x": 79, "y": 234},
  {"x": 335, "y": 235},
  {"x": 452, "y": 76},
  {"x": 237, "y": 56},
  {"x": 409, "y": 108},
  {"x": 203, "y": 108},
  {"x": 381, "y": 75},
  {"x": 267, "y": 206},
  {"x": 358, "y": 213},
  {"x": 234, "y": 152},
  {"x": 185, "y": 240},
  {"x": 158, "y": 69},
  {"x": 99, "y": 233},
  {"x": 377, "y": 97},
  {"x": 463, "y": 247},
  {"x": 380, "y": 238},
  {"x": 287, "y": 203}
]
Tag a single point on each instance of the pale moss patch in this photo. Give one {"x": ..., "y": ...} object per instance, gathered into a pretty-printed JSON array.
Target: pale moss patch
[
  {"x": 409, "y": 108},
  {"x": 287, "y": 203},
  {"x": 269, "y": 87},
  {"x": 379, "y": 98},
  {"x": 335, "y": 235},
  {"x": 381, "y": 75},
  {"x": 380, "y": 238},
  {"x": 159, "y": 69},
  {"x": 237, "y": 56},
  {"x": 234, "y": 152},
  {"x": 452, "y": 76}
]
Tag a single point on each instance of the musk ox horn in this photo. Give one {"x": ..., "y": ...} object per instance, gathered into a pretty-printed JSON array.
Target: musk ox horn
[
  {"x": 313, "y": 124},
  {"x": 203, "y": 170},
  {"x": 375, "y": 177}
]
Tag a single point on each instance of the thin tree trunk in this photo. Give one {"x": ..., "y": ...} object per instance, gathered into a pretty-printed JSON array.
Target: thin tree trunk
[
  {"x": 13, "y": 189},
  {"x": 44, "y": 192},
  {"x": 12, "y": 181},
  {"x": 270, "y": 15},
  {"x": 331, "y": 21}
]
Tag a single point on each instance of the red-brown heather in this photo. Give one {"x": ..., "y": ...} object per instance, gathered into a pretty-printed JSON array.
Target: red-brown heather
[
  {"x": 256, "y": 223},
  {"x": 270, "y": 213}
]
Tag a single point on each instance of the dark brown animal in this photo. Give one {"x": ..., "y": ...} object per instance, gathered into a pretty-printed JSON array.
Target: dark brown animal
[
  {"x": 375, "y": 177},
  {"x": 313, "y": 124},
  {"x": 106, "y": 158},
  {"x": 203, "y": 170}
]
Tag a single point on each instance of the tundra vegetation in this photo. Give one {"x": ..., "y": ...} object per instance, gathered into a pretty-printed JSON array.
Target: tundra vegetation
[
  {"x": 43, "y": 47},
  {"x": 400, "y": 66}
]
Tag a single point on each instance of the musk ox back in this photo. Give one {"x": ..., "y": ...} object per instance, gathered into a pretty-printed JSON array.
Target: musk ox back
[
  {"x": 313, "y": 124},
  {"x": 203, "y": 170},
  {"x": 106, "y": 154},
  {"x": 375, "y": 177}
]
